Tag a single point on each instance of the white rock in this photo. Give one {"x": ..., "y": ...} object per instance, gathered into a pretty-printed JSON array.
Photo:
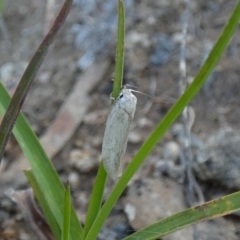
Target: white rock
[
  {"x": 73, "y": 179},
  {"x": 134, "y": 137},
  {"x": 171, "y": 151}
]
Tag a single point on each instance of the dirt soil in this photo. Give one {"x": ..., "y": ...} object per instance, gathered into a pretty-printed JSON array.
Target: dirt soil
[{"x": 153, "y": 42}]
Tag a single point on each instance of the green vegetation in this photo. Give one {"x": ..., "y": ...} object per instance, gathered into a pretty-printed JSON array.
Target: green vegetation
[{"x": 50, "y": 192}]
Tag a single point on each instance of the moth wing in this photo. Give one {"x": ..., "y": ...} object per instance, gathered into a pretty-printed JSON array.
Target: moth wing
[{"x": 115, "y": 141}]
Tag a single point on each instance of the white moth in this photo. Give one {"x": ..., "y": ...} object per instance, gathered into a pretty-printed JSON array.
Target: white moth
[{"x": 116, "y": 133}]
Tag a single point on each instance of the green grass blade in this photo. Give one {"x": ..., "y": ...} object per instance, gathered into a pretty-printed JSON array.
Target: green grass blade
[
  {"x": 45, "y": 207},
  {"x": 96, "y": 199},
  {"x": 213, "y": 209},
  {"x": 167, "y": 121},
  {"x": 1, "y": 7},
  {"x": 27, "y": 78},
  {"x": 42, "y": 168},
  {"x": 119, "y": 51},
  {"x": 99, "y": 185},
  {"x": 66, "y": 214}
]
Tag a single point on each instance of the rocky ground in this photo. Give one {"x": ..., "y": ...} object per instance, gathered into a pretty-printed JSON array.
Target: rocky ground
[{"x": 76, "y": 75}]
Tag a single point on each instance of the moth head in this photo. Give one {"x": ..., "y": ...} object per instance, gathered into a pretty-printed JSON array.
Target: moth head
[{"x": 127, "y": 100}]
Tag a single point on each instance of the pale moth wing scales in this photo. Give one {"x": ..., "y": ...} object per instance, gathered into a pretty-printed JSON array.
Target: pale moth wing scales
[{"x": 116, "y": 133}]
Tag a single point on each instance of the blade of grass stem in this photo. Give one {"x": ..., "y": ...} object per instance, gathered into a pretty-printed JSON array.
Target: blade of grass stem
[
  {"x": 42, "y": 168},
  {"x": 27, "y": 78},
  {"x": 213, "y": 209},
  {"x": 167, "y": 121},
  {"x": 96, "y": 198},
  {"x": 99, "y": 185},
  {"x": 1, "y": 7},
  {"x": 119, "y": 50}
]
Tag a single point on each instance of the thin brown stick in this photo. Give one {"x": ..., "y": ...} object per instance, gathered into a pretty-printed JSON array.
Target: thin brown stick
[{"x": 27, "y": 78}]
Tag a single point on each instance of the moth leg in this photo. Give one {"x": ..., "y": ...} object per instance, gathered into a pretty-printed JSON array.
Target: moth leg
[{"x": 112, "y": 98}]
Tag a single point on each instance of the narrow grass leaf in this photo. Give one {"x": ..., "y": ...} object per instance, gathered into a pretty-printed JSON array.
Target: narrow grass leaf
[
  {"x": 119, "y": 50},
  {"x": 56, "y": 230},
  {"x": 95, "y": 202},
  {"x": 66, "y": 215},
  {"x": 167, "y": 121},
  {"x": 99, "y": 185},
  {"x": 27, "y": 78},
  {"x": 213, "y": 209},
  {"x": 42, "y": 168},
  {"x": 1, "y": 7}
]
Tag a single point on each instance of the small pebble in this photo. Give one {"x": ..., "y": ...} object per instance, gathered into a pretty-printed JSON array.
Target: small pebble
[
  {"x": 144, "y": 123},
  {"x": 130, "y": 210},
  {"x": 171, "y": 151},
  {"x": 74, "y": 179},
  {"x": 82, "y": 160},
  {"x": 134, "y": 138}
]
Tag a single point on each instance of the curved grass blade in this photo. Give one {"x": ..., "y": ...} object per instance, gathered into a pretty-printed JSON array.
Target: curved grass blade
[
  {"x": 213, "y": 209},
  {"x": 66, "y": 215},
  {"x": 56, "y": 230},
  {"x": 168, "y": 120},
  {"x": 42, "y": 168},
  {"x": 27, "y": 78},
  {"x": 99, "y": 185}
]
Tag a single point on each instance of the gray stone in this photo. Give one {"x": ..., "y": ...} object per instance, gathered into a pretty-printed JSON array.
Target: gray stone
[{"x": 219, "y": 159}]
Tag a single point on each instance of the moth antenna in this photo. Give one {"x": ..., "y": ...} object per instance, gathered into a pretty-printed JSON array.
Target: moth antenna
[{"x": 140, "y": 92}]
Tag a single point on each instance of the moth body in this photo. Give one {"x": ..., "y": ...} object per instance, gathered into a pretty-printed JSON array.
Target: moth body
[{"x": 116, "y": 132}]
